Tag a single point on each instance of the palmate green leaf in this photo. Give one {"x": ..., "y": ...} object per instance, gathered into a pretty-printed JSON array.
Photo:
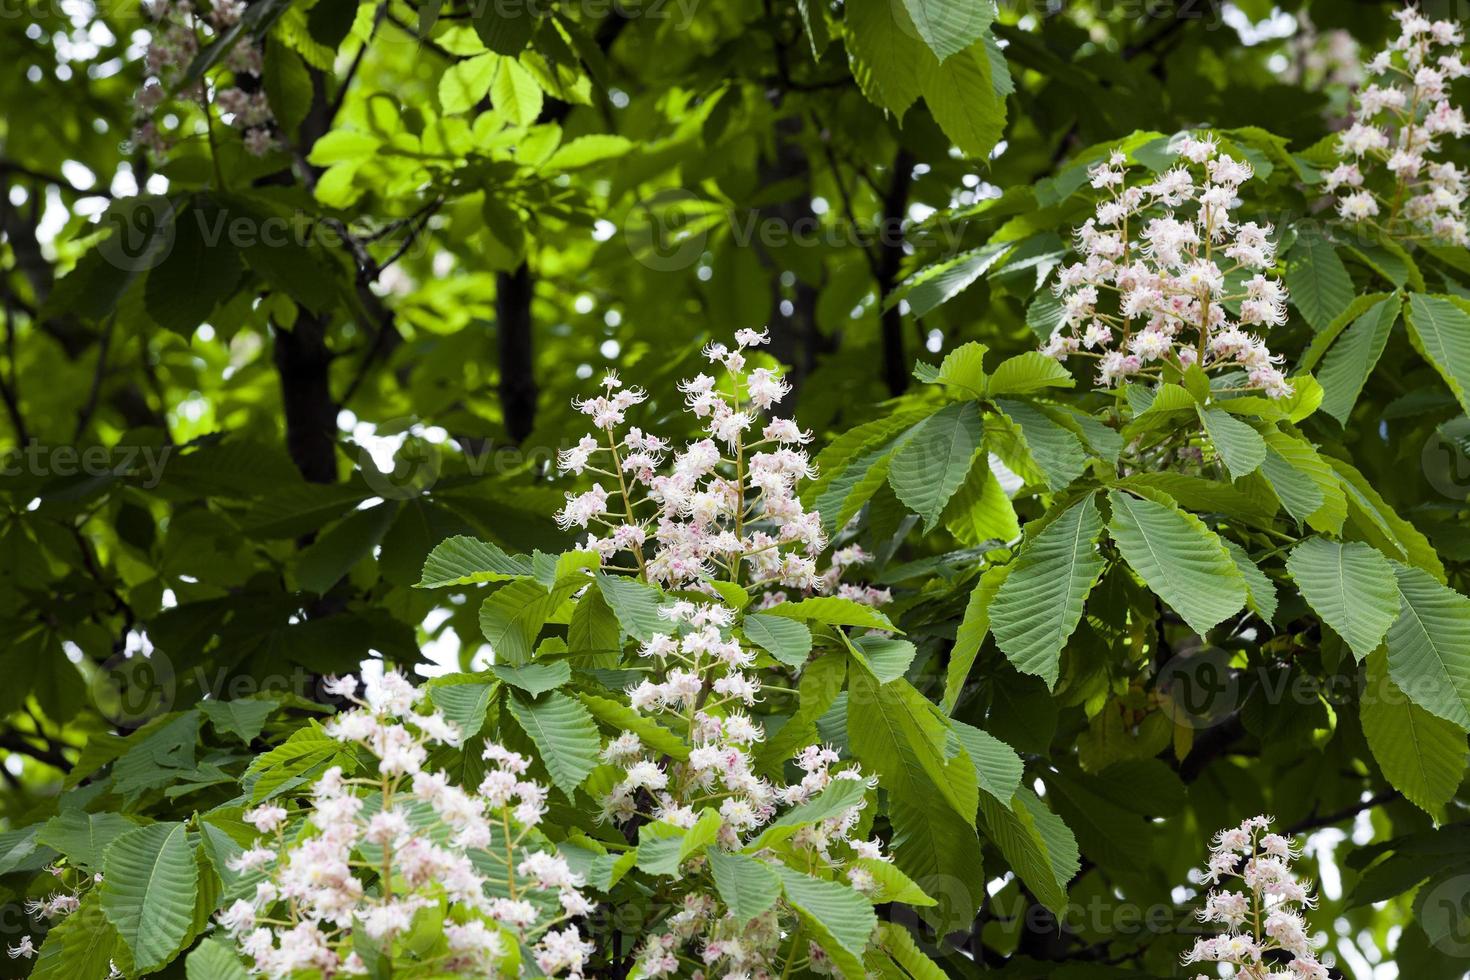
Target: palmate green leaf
[
  {"x": 1056, "y": 449},
  {"x": 512, "y": 616},
  {"x": 963, "y": 367},
  {"x": 213, "y": 960},
  {"x": 634, "y": 603},
  {"x": 307, "y": 751},
  {"x": 950, "y": 26},
  {"x": 1026, "y": 374},
  {"x": 932, "y": 464},
  {"x": 971, "y": 633},
  {"x": 323, "y": 563},
  {"x": 1036, "y": 843},
  {"x": 620, "y": 718},
  {"x": 892, "y": 885},
  {"x": 1301, "y": 477},
  {"x": 83, "y": 837},
  {"x": 148, "y": 889},
  {"x": 855, "y": 486},
  {"x": 1439, "y": 326},
  {"x": 565, "y": 735},
  {"x": 1422, "y": 756},
  {"x": 663, "y": 847},
  {"x": 1180, "y": 559},
  {"x": 840, "y": 795},
  {"x": 466, "y": 82},
  {"x": 840, "y": 454},
  {"x": 997, "y": 767},
  {"x": 243, "y": 718},
  {"x": 594, "y": 635},
  {"x": 897, "y": 734},
  {"x": 1260, "y": 591},
  {"x": 897, "y": 943},
  {"x": 198, "y": 273},
  {"x": 1327, "y": 336},
  {"x": 1318, "y": 282},
  {"x": 980, "y": 511},
  {"x": 1040, "y": 602},
  {"x": 1240, "y": 447},
  {"x": 967, "y": 95},
  {"x": 1351, "y": 586},
  {"x": 1380, "y": 524},
  {"x": 935, "y": 285},
  {"x": 1429, "y": 646},
  {"x": 838, "y": 918},
  {"x": 514, "y": 92},
  {"x": 884, "y": 657},
  {"x": 885, "y": 53},
  {"x": 833, "y": 611},
  {"x": 745, "y": 885},
  {"x": 821, "y": 682},
  {"x": 785, "y": 639},
  {"x": 462, "y": 560},
  {"x": 1351, "y": 359},
  {"x": 464, "y": 704},
  {"x": 535, "y": 678}
]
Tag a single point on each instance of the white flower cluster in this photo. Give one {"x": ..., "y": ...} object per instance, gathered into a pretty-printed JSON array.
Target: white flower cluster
[
  {"x": 1266, "y": 936},
  {"x": 706, "y": 683},
  {"x": 377, "y": 852},
  {"x": 1402, "y": 116},
  {"x": 178, "y": 34},
  {"x": 1162, "y": 264},
  {"x": 724, "y": 505}
]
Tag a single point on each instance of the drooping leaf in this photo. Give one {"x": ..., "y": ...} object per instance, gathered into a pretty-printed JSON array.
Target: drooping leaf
[
  {"x": 565, "y": 736},
  {"x": 785, "y": 639},
  {"x": 1182, "y": 561},
  {"x": 1439, "y": 326},
  {"x": 950, "y": 26},
  {"x": 1316, "y": 279},
  {"x": 1421, "y": 755},
  {"x": 462, "y": 560},
  {"x": 1429, "y": 646},
  {"x": 746, "y": 885},
  {"x": 840, "y": 919},
  {"x": 997, "y": 767},
  {"x": 971, "y": 634},
  {"x": 1240, "y": 446},
  {"x": 1352, "y": 358},
  {"x": 932, "y": 464},
  {"x": 1040, "y": 602},
  {"x": 1351, "y": 586},
  {"x": 148, "y": 889},
  {"x": 1036, "y": 843}
]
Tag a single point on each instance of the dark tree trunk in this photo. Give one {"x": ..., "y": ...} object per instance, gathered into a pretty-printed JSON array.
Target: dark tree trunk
[
  {"x": 304, "y": 362},
  {"x": 890, "y": 259},
  {"x": 513, "y": 291}
]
